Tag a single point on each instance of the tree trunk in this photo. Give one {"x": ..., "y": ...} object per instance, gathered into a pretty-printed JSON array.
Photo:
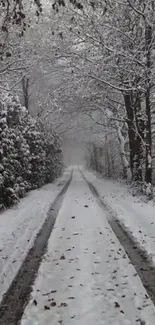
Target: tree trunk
[
  {"x": 131, "y": 129},
  {"x": 148, "y": 44},
  {"x": 135, "y": 133},
  {"x": 139, "y": 139},
  {"x": 25, "y": 87},
  {"x": 107, "y": 161}
]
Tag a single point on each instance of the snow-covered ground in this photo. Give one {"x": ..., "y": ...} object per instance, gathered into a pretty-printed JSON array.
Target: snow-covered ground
[
  {"x": 86, "y": 277},
  {"x": 19, "y": 226},
  {"x": 137, "y": 217}
]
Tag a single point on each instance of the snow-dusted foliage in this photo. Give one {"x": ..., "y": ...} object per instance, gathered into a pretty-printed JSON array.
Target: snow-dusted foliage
[{"x": 29, "y": 156}]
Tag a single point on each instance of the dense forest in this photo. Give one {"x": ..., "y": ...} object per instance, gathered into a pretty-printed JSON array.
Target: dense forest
[{"x": 84, "y": 69}]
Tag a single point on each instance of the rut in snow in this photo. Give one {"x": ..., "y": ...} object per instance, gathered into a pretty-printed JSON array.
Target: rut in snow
[
  {"x": 17, "y": 296},
  {"x": 138, "y": 257}
]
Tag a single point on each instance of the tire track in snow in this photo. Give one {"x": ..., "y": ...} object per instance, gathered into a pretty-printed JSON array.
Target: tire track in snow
[
  {"x": 138, "y": 257},
  {"x": 17, "y": 296}
]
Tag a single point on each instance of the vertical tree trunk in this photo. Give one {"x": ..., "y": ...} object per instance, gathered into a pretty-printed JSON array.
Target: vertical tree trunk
[
  {"x": 131, "y": 129},
  {"x": 139, "y": 139},
  {"x": 107, "y": 160},
  {"x": 108, "y": 163},
  {"x": 148, "y": 44},
  {"x": 135, "y": 133},
  {"x": 124, "y": 160},
  {"x": 25, "y": 87}
]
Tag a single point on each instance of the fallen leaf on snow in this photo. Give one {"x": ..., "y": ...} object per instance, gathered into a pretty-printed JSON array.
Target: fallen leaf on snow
[
  {"x": 142, "y": 322},
  {"x": 110, "y": 289},
  {"x": 35, "y": 302},
  {"x": 63, "y": 304},
  {"x": 62, "y": 257},
  {"x": 53, "y": 304}
]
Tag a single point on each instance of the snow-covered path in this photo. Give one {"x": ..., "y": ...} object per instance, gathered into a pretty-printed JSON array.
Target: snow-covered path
[
  {"x": 19, "y": 226},
  {"x": 86, "y": 277},
  {"x": 136, "y": 216}
]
